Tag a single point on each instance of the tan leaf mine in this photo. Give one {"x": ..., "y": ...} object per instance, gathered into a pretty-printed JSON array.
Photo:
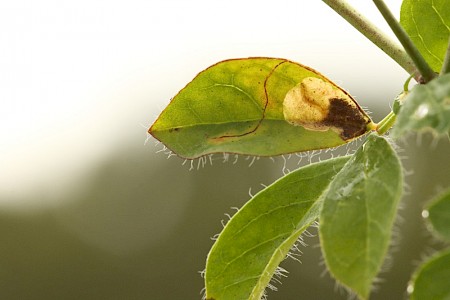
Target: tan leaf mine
[{"x": 319, "y": 105}]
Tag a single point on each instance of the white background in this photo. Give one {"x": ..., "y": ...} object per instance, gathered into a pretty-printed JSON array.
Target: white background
[{"x": 81, "y": 79}]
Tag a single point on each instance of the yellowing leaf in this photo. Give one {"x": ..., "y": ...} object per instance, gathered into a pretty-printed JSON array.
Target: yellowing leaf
[{"x": 259, "y": 106}]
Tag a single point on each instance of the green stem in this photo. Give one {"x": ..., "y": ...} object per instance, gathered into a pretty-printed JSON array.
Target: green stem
[
  {"x": 406, "y": 84},
  {"x": 384, "y": 125},
  {"x": 446, "y": 65},
  {"x": 373, "y": 33},
  {"x": 424, "y": 69}
]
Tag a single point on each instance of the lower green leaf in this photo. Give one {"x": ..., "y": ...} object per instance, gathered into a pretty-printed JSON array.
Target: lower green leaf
[
  {"x": 438, "y": 214},
  {"x": 432, "y": 279},
  {"x": 255, "y": 241},
  {"x": 358, "y": 212}
]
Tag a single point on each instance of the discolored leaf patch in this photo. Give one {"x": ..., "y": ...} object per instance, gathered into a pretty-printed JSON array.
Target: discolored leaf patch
[{"x": 316, "y": 105}]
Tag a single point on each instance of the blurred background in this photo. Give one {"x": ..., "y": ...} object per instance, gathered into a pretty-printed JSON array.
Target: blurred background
[{"x": 89, "y": 206}]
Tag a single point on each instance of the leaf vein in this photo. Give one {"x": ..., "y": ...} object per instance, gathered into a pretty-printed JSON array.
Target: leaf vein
[
  {"x": 227, "y": 264},
  {"x": 424, "y": 45},
  {"x": 267, "y": 213},
  {"x": 439, "y": 15}
]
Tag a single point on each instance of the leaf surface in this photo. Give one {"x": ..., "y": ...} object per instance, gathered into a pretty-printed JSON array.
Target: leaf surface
[
  {"x": 358, "y": 213},
  {"x": 255, "y": 241},
  {"x": 240, "y": 106},
  {"x": 426, "y": 106},
  {"x": 431, "y": 281},
  {"x": 427, "y": 22},
  {"x": 438, "y": 215}
]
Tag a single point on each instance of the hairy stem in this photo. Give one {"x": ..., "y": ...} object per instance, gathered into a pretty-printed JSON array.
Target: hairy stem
[
  {"x": 384, "y": 125},
  {"x": 373, "y": 33},
  {"x": 424, "y": 69},
  {"x": 446, "y": 65}
]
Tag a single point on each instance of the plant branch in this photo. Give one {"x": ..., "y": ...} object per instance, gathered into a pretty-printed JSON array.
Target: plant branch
[
  {"x": 424, "y": 69},
  {"x": 374, "y": 34},
  {"x": 446, "y": 65}
]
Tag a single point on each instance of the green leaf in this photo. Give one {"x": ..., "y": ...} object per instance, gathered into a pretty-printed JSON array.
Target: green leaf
[
  {"x": 255, "y": 241},
  {"x": 431, "y": 281},
  {"x": 425, "y": 107},
  {"x": 259, "y": 106},
  {"x": 358, "y": 213},
  {"x": 427, "y": 22},
  {"x": 438, "y": 215}
]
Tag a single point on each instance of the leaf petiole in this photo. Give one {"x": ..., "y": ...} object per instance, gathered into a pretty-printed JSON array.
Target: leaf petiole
[{"x": 384, "y": 125}]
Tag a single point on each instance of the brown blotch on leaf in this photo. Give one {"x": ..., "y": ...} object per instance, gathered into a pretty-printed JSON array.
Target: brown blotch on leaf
[{"x": 346, "y": 117}]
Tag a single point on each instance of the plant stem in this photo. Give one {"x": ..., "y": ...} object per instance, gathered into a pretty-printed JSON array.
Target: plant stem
[
  {"x": 406, "y": 84},
  {"x": 424, "y": 69},
  {"x": 384, "y": 125},
  {"x": 373, "y": 33},
  {"x": 446, "y": 65}
]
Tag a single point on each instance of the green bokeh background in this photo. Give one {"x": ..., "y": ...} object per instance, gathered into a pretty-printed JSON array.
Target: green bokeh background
[{"x": 140, "y": 228}]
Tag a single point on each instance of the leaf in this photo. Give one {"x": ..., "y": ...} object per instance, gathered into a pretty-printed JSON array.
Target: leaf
[
  {"x": 425, "y": 107},
  {"x": 438, "y": 215},
  {"x": 431, "y": 281},
  {"x": 358, "y": 213},
  {"x": 427, "y": 22},
  {"x": 255, "y": 241},
  {"x": 259, "y": 106}
]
